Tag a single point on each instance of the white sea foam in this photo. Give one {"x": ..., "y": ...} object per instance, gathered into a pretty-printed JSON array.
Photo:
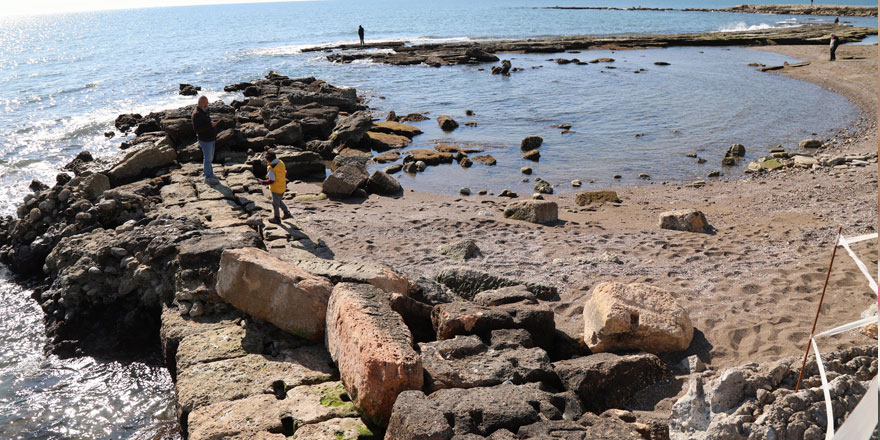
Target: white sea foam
[{"x": 743, "y": 26}]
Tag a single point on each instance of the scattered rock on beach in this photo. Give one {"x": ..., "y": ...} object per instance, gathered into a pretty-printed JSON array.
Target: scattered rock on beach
[
  {"x": 344, "y": 181},
  {"x": 141, "y": 162},
  {"x": 446, "y": 123},
  {"x": 810, "y": 143},
  {"x": 635, "y": 317},
  {"x": 736, "y": 150},
  {"x": 534, "y": 211},
  {"x": 588, "y": 197},
  {"x": 383, "y": 184},
  {"x": 543, "y": 187},
  {"x": 460, "y": 250},
  {"x": 688, "y": 220},
  {"x": 526, "y": 170},
  {"x": 661, "y": 63}
]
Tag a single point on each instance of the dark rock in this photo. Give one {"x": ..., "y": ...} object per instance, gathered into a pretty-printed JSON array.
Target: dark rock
[
  {"x": 127, "y": 121},
  {"x": 468, "y": 282},
  {"x": 414, "y": 416},
  {"x": 531, "y": 143},
  {"x": 464, "y": 318},
  {"x": 446, "y": 123},
  {"x": 606, "y": 380},
  {"x": 465, "y": 362},
  {"x": 189, "y": 90}
]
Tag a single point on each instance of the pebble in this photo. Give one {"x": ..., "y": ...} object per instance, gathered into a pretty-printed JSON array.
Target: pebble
[
  {"x": 465, "y": 191},
  {"x": 537, "y": 196},
  {"x": 576, "y": 183},
  {"x": 526, "y": 170},
  {"x": 94, "y": 270}
]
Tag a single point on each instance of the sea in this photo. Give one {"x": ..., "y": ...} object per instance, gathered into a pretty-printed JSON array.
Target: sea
[{"x": 65, "y": 77}]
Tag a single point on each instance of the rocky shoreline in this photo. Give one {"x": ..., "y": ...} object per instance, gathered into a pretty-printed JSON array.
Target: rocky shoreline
[
  {"x": 269, "y": 334},
  {"x": 826, "y": 10},
  {"x": 442, "y": 54}
]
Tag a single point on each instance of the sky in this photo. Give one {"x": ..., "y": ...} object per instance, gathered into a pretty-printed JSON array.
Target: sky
[{"x": 28, "y": 7}]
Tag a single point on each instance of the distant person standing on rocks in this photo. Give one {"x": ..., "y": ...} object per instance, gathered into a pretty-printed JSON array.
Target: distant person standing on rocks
[
  {"x": 834, "y": 43},
  {"x": 361, "y": 34},
  {"x": 276, "y": 178},
  {"x": 836, "y": 20},
  {"x": 207, "y": 134}
]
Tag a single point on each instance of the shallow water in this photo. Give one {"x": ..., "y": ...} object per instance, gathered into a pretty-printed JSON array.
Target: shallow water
[
  {"x": 64, "y": 78},
  {"x": 43, "y": 397}
]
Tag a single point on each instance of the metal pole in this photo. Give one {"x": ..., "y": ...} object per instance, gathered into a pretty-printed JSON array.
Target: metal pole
[{"x": 818, "y": 309}]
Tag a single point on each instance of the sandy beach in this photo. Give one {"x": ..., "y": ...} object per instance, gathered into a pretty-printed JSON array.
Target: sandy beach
[{"x": 751, "y": 288}]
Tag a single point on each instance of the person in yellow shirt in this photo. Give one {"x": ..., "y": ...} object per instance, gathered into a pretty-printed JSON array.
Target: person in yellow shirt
[{"x": 276, "y": 178}]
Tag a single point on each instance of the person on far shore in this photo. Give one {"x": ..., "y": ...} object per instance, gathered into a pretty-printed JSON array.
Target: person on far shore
[
  {"x": 361, "y": 34},
  {"x": 276, "y": 178},
  {"x": 207, "y": 134},
  {"x": 836, "y": 20},
  {"x": 834, "y": 43}
]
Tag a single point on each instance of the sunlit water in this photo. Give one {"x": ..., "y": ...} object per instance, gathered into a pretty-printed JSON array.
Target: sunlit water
[{"x": 64, "y": 78}]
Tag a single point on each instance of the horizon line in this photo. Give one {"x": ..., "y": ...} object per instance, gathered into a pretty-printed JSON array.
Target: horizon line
[{"x": 145, "y": 5}]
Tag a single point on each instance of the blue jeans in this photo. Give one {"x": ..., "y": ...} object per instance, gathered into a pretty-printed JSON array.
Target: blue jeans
[{"x": 207, "y": 157}]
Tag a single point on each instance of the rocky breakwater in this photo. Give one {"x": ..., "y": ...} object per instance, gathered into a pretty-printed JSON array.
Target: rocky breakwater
[{"x": 439, "y": 54}]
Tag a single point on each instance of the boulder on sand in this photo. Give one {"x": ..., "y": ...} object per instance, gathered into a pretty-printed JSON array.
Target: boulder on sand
[
  {"x": 373, "y": 349},
  {"x": 635, "y": 317},
  {"x": 344, "y": 181},
  {"x": 588, "y": 197},
  {"x": 381, "y": 183},
  {"x": 535, "y": 211},
  {"x": 688, "y": 220},
  {"x": 265, "y": 287},
  {"x": 810, "y": 143}
]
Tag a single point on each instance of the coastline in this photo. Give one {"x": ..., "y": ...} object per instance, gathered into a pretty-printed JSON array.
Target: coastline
[
  {"x": 452, "y": 53},
  {"x": 827, "y": 10},
  {"x": 749, "y": 288}
]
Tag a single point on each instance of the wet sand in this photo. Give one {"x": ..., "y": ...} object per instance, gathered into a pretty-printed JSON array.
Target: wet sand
[{"x": 751, "y": 288}]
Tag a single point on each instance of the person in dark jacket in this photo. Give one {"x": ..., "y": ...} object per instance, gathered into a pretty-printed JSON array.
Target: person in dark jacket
[
  {"x": 206, "y": 132},
  {"x": 834, "y": 43},
  {"x": 361, "y": 34}
]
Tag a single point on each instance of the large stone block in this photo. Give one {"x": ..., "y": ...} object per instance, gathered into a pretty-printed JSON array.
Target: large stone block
[
  {"x": 635, "y": 317},
  {"x": 252, "y": 374},
  {"x": 344, "y": 181},
  {"x": 338, "y": 271},
  {"x": 265, "y": 287},
  {"x": 264, "y": 413},
  {"x": 466, "y": 318},
  {"x": 372, "y": 348},
  {"x": 535, "y": 211}
]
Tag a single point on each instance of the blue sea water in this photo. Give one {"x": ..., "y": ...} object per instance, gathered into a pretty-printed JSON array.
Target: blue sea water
[{"x": 64, "y": 78}]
